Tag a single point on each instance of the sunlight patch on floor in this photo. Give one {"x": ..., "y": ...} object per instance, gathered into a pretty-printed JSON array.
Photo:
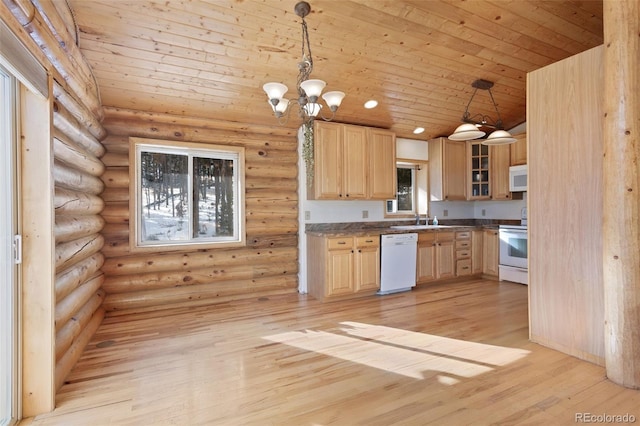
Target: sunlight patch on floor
[{"x": 411, "y": 354}]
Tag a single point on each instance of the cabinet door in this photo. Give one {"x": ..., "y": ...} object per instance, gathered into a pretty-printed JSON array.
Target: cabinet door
[
  {"x": 367, "y": 262},
  {"x": 476, "y": 252},
  {"x": 500, "y": 159},
  {"x": 519, "y": 150},
  {"x": 355, "y": 160},
  {"x": 478, "y": 166},
  {"x": 490, "y": 253},
  {"x": 454, "y": 170},
  {"x": 340, "y": 272},
  {"x": 446, "y": 259},
  {"x": 426, "y": 262},
  {"x": 382, "y": 164},
  {"x": 328, "y": 160}
]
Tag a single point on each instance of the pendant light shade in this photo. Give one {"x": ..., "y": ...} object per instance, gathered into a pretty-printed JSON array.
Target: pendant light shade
[
  {"x": 313, "y": 88},
  {"x": 275, "y": 91},
  {"x": 466, "y": 132},
  {"x": 499, "y": 137},
  {"x": 333, "y": 99},
  {"x": 312, "y": 109}
]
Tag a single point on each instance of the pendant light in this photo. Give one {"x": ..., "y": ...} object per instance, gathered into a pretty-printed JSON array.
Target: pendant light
[
  {"x": 309, "y": 90},
  {"x": 470, "y": 129}
]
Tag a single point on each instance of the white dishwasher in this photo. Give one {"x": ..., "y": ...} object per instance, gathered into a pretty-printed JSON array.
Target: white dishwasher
[{"x": 398, "y": 254}]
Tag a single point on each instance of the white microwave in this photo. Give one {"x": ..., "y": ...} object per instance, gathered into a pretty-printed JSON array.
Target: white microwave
[{"x": 518, "y": 178}]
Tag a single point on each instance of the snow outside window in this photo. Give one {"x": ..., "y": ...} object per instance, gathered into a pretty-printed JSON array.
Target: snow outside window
[{"x": 188, "y": 194}]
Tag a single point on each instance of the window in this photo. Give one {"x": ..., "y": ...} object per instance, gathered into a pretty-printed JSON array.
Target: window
[
  {"x": 405, "y": 195},
  {"x": 412, "y": 190},
  {"x": 187, "y": 194}
]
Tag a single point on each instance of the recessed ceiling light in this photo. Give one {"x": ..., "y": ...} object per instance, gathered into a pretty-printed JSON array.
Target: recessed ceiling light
[
  {"x": 371, "y": 104},
  {"x": 418, "y": 130}
]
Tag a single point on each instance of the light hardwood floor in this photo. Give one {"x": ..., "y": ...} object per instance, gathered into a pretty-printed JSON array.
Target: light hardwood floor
[{"x": 449, "y": 354}]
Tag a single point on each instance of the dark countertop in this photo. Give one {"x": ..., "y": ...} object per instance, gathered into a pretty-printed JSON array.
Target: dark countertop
[{"x": 369, "y": 228}]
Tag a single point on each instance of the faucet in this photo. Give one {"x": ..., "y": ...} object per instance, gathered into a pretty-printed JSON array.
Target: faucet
[{"x": 417, "y": 218}]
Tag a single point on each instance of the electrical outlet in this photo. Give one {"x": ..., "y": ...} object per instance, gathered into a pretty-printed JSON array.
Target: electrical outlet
[
  {"x": 365, "y": 214},
  {"x": 484, "y": 212},
  {"x": 307, "y": 215},
  {"x": 445, "y": 213}
]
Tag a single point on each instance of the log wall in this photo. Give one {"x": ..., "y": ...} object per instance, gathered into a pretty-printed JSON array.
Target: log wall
[
  {"x": 46, "y": 29},
  {"x": 78, "y": 282},
  {"x": 268, "y": 264}
]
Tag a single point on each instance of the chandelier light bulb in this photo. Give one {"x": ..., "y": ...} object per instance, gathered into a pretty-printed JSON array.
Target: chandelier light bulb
[
  {"x": 312, "y": 109},
  {"x": 275, "y": 91},
  {"x": 313, "y": 88},
  {"x": 333, "y": 99},
  {"x": 281, "y": 107}
]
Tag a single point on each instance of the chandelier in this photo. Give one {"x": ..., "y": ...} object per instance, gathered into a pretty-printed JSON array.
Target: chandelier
[
  {"x": 472, "y": 123},
  {"x": 309, "y": 90}
]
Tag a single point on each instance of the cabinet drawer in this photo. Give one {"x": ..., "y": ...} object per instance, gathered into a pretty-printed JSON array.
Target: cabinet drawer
[
  {"x": 426, "y": 238},
  {"x": 464, "y": 244},
  {"x": 463, "y": 235},
  {"x": 339, "y": 243},
  {"x": 446, "y": 236},
  {"x": 463, "y": 267},
  {"x": 463, "y": 254},
  {"x": 368, "y": 241}
]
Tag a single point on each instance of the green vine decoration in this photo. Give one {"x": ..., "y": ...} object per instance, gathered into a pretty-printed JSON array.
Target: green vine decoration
[{"x": 307, "y": 149}]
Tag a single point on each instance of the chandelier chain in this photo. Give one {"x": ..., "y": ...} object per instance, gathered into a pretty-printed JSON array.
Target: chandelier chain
[{"x": 305, "y": 67}]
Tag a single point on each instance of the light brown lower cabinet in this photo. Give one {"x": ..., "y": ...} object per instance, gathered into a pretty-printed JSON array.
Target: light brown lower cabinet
[
  {"x": 436, "y": 256},
  {"x": 342, "y": 267},
  {"x": 490, "y": 243},
  {"x": 463, "y": 253}
]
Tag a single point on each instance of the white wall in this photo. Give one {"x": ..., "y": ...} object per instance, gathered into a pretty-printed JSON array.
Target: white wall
[{"x": 478, "y": 209}]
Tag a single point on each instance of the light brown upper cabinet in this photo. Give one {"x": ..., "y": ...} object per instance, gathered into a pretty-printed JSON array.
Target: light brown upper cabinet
[
  {"x": 500, "y": 159},
  {"x": 479, "y": 171},
  {"x": 447, "y": 169},
  {"x": 352, "y": 163},
  {"x": 382, "y": 164},
  {"x": 519, "y": 150}
]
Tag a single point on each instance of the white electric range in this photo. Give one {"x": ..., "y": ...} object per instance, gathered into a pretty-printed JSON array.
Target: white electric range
[{"x": 514, "y": 263}]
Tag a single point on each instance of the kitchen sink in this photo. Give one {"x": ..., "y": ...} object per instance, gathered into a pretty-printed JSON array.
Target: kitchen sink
[{"x": 418, "y": 227}]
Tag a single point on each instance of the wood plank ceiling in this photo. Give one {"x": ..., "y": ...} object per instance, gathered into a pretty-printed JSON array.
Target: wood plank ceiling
[{"x": 417, "y": 58}]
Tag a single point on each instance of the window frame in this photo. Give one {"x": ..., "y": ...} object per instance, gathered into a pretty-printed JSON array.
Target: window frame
[
  {"x": 190, "y": 149},
  {"x": 414, "y": 192},
  {"x": 420, "y": 183}
]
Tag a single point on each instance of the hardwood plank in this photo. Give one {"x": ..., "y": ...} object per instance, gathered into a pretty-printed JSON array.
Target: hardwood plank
[{"x": 454, "y": 353}]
